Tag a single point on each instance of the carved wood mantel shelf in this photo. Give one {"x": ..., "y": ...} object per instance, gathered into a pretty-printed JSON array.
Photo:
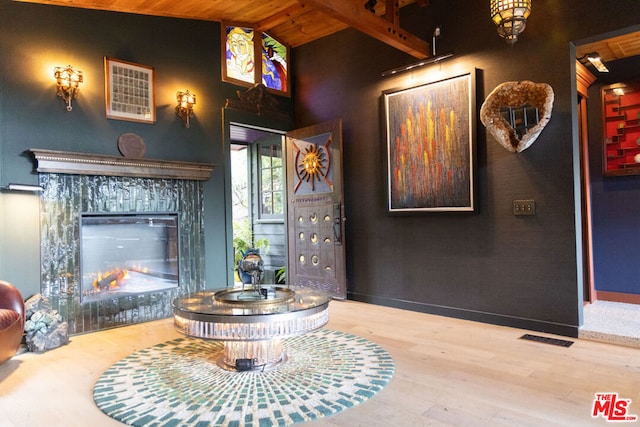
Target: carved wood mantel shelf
[{"x": 50, "y": 161}]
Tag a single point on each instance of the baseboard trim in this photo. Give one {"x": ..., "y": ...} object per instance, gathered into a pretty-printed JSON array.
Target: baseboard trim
[
  {"x": 476, "y": 316},
  {"x": 618, "y": 297}
]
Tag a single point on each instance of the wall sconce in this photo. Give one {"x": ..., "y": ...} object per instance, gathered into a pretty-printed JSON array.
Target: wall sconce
[
  {"x": 511, "y": 17},
  {"x": 68, "y": 81},
  {"x": 595, "y": 60},
  {"x": 186, "y": 101}
]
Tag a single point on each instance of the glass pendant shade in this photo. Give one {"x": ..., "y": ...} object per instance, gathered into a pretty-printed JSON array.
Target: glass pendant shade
[{"x": 511, "y": 17}]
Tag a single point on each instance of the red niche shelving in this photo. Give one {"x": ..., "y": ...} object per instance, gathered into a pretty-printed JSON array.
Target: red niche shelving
[{"x": 621, "y": 116}]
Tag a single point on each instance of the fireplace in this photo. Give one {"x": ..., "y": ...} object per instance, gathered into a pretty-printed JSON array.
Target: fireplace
[
  {"x": 128, "y": 254},
  {"x": 104, "y": 216}
]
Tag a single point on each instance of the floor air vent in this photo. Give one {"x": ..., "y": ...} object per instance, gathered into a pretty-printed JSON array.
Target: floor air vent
[{"x": 546, "y": 340}]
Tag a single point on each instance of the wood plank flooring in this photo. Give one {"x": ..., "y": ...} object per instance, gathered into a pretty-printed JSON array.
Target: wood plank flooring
[{"x": 449, "y": 372}]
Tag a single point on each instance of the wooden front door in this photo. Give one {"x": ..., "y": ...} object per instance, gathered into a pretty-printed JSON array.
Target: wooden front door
[{"x": 315, "y": 209}]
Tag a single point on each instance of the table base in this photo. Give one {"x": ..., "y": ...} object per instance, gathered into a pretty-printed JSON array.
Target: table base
[{"x": 262, "y": 354}]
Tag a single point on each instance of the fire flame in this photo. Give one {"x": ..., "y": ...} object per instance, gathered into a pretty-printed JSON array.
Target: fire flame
[{"x": 110, "y": 280}]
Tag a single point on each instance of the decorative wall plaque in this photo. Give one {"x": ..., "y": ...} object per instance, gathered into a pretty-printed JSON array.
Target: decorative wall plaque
[
  {"x": 516, "y": 112},
  {"x": 131, "y": 145}
]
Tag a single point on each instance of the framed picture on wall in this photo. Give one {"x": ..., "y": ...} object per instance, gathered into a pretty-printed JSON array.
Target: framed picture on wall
[
  {"x": 430, "y": 139},
  {"x": 129, "y": 91}
]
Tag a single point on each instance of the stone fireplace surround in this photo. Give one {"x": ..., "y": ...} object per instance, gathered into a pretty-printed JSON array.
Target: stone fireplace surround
[{"x": 78, "y": 182}]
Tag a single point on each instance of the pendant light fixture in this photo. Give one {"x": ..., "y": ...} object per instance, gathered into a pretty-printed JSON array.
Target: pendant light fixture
[{"x": 511, "y": 17}]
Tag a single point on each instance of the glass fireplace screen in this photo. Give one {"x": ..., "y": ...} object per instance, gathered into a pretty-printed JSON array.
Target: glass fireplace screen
[{"x": 128, "y": 254}]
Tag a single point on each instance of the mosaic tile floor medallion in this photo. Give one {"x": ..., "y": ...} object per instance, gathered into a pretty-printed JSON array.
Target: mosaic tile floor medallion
[{"x": 179, "y": 383}]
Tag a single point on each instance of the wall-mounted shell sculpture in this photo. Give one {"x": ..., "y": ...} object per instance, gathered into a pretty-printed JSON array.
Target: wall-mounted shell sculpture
[{"x": 516, "y": 112}]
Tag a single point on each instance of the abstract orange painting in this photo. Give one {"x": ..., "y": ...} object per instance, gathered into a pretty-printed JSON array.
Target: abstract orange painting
[{"x": 430, "y": 136}]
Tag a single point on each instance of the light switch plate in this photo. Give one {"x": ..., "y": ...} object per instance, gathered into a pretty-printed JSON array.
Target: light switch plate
[{"x": 524, "y": 207}]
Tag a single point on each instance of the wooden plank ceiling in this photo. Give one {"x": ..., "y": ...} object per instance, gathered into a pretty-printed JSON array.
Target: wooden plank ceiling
[
  {"x": 294, "y": 22},
  {"x": 614, "y": 48}
]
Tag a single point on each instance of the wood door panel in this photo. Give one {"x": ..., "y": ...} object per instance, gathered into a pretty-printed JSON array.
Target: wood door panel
[
  {"x": 314, "y": 209},
  {"x": 314, "y": 235}
]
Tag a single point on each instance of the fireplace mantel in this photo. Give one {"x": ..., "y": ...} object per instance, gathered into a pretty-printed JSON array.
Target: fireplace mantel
[{"x": 51, "y": 161}]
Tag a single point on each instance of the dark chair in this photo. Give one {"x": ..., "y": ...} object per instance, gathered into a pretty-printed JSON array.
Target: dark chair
[{"x": 11, "y": 320}]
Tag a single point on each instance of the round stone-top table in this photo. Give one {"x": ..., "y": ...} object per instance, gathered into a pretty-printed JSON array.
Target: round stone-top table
[{"x": 251, "y": 323}]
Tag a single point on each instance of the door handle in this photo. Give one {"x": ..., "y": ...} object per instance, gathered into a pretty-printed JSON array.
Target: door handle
[{"x": 337, "y": 223}]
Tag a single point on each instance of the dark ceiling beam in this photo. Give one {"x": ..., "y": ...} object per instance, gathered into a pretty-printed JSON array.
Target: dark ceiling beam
[
  {"x": 353, "y": 13},
  {"x": 392, "y": 12}
]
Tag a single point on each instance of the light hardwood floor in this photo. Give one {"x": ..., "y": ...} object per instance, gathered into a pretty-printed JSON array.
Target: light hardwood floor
[{"x": 449, "y": 372}]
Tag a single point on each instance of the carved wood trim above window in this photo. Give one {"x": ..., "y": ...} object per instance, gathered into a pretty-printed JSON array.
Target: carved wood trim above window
[{"x": 258, "y": 100}]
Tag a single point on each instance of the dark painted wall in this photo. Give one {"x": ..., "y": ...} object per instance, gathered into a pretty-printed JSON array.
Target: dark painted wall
[
  {"x": 615, "y": 200},
  {"x": 491, "y": 265},
  {"x": 488, "y": 266},
  {"x": 35, "y": 38}
]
